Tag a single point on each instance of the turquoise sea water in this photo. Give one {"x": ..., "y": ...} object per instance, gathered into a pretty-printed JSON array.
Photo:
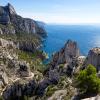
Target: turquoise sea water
[{"x": 87, "y": 37}]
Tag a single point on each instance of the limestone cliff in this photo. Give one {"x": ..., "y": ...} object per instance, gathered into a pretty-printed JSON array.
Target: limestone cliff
[
  {"x": 93, "y": 58},
  {"x": 11, "y": 22}
]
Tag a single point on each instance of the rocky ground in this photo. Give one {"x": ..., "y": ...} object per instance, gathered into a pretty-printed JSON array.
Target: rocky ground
[
  {"x": 20, "y": 76},
  {"x": 20, "y": 79}
]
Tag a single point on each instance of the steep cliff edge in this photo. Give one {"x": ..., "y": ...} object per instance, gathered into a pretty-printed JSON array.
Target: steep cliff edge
[
  {"x": 93, "y": 58},
  {"x": 26, "y": 32},
  {"x": 11, "y": 23}
]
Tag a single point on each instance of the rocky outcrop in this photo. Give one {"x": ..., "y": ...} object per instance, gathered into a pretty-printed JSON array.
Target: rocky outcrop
[
  {"x": 17, "y": 91},
  {"x": 52, "y": 79},
  {"x": 18, "y": 24},
  {"x": 67, "y": 56},
  {"x": 93, "y": 58}
]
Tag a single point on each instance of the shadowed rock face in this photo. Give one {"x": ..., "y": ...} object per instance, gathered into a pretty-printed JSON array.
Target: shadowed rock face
[
  {"x": 8, "y": 16},
  {"x": 93, "y": 58},
  {"x": 4, "y": 15},
  {"x": 52, "y": 79},
  {"x": 18, "y": 91}
]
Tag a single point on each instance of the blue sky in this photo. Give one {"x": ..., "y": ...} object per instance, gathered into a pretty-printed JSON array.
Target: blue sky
[{"x": 58, "y": 11}]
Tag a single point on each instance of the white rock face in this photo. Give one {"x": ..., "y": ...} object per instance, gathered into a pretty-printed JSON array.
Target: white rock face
[
  {"x": 94, "y": 58},
  {"x": 68, "y": 56},
  {"x": 67, "y": 53}
]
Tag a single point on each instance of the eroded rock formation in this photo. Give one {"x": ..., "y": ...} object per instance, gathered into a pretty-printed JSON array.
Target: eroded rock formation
[{"x": 67, "y": 56}]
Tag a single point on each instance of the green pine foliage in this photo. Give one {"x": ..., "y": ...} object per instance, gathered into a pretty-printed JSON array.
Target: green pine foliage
[{"x": 87, "y": 81}]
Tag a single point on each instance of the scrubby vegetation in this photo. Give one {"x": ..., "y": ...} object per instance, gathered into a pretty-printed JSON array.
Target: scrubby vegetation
[
  {"x": 63, "y": 84},
  {"x": 87, "y": 81},
  {"x": 50, "y": 90},
  {"x": 34, "y": 59},
  {"x": 21, "y": 37}
]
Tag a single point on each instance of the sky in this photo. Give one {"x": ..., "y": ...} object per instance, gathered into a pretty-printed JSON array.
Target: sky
[{"x": 58, "y": 11}]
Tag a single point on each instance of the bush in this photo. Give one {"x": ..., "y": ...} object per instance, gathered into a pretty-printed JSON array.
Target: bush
[
  {"x": 50, "y": 90},
  {"x": 87, "y": 81}
]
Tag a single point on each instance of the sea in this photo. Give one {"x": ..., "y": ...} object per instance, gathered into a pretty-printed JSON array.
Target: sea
[{"x": 86, "y": 36}]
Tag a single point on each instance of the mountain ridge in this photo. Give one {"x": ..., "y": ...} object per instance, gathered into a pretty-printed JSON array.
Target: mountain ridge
[{"x": 18, "y": 24}]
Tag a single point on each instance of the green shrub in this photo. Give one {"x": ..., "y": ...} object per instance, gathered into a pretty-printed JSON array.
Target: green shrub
[
  {"x": 87, "y": 81},
  {"x": 50, "y": 90}
]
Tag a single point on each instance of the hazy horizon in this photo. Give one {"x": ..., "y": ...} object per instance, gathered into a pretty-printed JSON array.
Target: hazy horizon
[{"x": 57, "y": 11}]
